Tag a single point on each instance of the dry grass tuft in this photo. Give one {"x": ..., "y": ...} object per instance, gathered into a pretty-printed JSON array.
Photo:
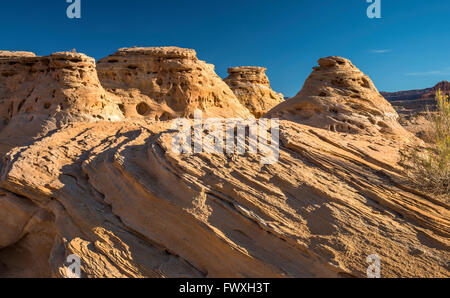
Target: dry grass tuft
[{"x": 429, "y": 166}]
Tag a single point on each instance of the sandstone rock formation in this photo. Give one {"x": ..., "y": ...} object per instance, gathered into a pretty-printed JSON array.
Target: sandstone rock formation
[
  {"x": 339, "y": 97},
  {"x": 16, "y": 54},
  {"x": 129, "y": 207},
  {"x": 116, "y": 195},
  {"x": 251, "y": 86},
  {"x": 167, "y": 82},
  {"x": 39, "y": 94},
  {"x": 27, "y": 237}
]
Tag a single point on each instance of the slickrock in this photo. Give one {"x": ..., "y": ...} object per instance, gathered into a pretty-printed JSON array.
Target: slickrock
[
  {"x": 130, "y": 207},
  {"x": 115, "y": 194},
  {"x": 27, "y": 237},
  {"x": 167, "y": 82},
  {"x": 39, "y": 94},
  {"x": 339, "y": 97},
  {"x": 251, "y": 86}
]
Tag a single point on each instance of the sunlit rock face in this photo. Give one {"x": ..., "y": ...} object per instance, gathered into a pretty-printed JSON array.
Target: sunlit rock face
[
  {"x": 39, "y": 94},
  {"x": 337, "y": 96},
  {"x": 104, "y": 184},
  {"x": 251, "y": 86},
  {"x": 167, "y": 82}
]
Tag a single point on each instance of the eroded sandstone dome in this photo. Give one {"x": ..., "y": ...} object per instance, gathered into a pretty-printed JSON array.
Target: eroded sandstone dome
[
  {"x": 339, "y": 97},
  {"x": 251, "y": 86},
  {"x": 167, "y": 82},
  {"x": 115, "y": 193},
  {"x": 38, "y": 94}
]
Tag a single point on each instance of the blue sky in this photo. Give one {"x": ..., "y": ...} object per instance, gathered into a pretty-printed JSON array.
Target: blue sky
[{"x": 408, "y": 48}]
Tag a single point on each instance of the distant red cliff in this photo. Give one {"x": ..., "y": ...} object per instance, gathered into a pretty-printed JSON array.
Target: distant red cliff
[{"x": 428, "y": 93}]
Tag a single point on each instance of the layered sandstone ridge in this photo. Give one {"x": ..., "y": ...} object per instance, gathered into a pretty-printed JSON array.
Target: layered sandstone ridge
[
  {"x": 420, "y": 94},
  {"x": 251, "y": 86},
  {"x": 39, "y": 94},
  {"x": 116, "y": 194},
  {"x": 167, "y": 82},
  {"x": 337, "y": 96}
]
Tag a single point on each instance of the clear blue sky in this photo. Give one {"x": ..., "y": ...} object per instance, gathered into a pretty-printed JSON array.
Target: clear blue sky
[{"x": 408, "y": 48}]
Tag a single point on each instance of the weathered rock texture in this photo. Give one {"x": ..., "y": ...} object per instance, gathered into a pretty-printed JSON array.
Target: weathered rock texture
[
  {"x": 129, "y": 207},
  {"x": 251, "y": 86},
  {"x": 27, "y": 237},
  {"x": 339, "y": 97},
  {"x": 116, "y": 195},
  {"x": 165, "y": 83},
  {"x": 16, "y": 54},
  {"x": 39, "y": 94}
]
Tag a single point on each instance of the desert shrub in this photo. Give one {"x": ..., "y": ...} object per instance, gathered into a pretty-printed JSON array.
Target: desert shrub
[
  {"x": 427, "y": 128},
  {"x": 429, "y": 165}
]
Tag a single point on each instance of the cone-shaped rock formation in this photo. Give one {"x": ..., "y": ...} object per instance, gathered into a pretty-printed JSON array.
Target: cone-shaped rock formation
[
  {"x": 339, "y": 97},
  {"x": 251, "y": 86}
]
